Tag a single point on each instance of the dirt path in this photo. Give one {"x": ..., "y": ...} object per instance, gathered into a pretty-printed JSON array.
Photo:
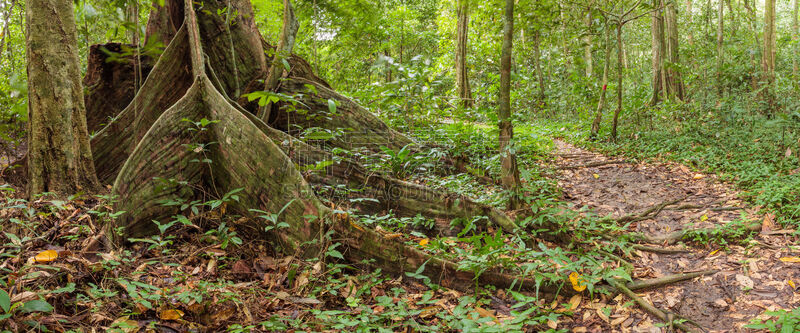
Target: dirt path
[{"x": 751, "y": 278}]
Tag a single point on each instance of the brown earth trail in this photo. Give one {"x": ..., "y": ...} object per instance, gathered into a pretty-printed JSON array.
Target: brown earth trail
[{"x": 752, "y": 277}]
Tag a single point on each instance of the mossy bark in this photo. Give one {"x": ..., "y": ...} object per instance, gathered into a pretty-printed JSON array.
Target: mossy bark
[{"x": 59, "y": 156}]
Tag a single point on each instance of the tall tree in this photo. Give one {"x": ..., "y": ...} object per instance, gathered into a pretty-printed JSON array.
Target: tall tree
[
  {"x": 601, "y": 104},
  {"x": 795, "y": 39},
  {"x": 462, "y": 36},
  {"x": 282, "y": 52},
  {"x": 510, "y": 173},
  {"x": 720, "y": 50},
  {"x": 768, "y": 55},
  {"x": 59, "y": 155},
  {"x": 667, "y": 81},
  {"x": 587, "y": 43}
]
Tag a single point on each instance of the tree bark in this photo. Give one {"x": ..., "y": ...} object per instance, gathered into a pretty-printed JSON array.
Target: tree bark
[
  {"x": 720, "y": 50},
  {"x": 587, "y": 43},
  {"x": 768, "y": 55},
  {"x": 537, "y": 56},
  {"x": 59, "y": 155},
  {"x": 282, "y": 52},
  {"x": 619, "y": 84},
  {"x": 462, "y": 37},
  {"x": 601, "y": 104},
  {"x": 795, "y": 40},
  {"x": 509, "y": 171},
  {"x": 690, "y": 31},
  {"x": 657, "y": 34},
  {"x": 675, "y": 87},
  {"x": 565, "y": 42}
]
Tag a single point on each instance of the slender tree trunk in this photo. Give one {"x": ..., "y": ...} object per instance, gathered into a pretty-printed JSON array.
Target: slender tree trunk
[
  {"x": 587, "y": 43},
  {"x": 753, "y": 17},
  {"x": 7, "y": 20},
  {"x": 657, "y": 34},
  {"x": 462, "y": 36},
  {"x": 537, "y": 56},
  {"x": 690, "y": 33},
  {"x": 768, "y": 56},
  {"x": 59, "y": 155},
  {"x": 565, "y": 43},
  {"x": 282, "y": 52},
  {"x": 619, "y": 84},
  {"x": 509, "y": 172},
  {"x": 795, "y": 40},
  {"x": 602, "y": 103},
  {"x": 720, "y": 50}
]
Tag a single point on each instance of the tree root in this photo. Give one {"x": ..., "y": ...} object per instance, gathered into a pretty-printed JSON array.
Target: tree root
[
  {"x": 660, "y": 250},
  {"x": 713, "y": 209},
  {"x": 649, "y": 213},
  {"x": 666, "y": 280},
  {"x": 591, "y": 165},
  {"x": 675, "y": 236},
  {"x": 665, "y": 316}
]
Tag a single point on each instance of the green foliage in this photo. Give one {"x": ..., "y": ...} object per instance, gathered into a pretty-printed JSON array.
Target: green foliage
[{"x": 779, "y": 321}]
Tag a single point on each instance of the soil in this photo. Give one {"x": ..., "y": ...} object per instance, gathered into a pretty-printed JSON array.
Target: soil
[{"x": 752, "y": 277}]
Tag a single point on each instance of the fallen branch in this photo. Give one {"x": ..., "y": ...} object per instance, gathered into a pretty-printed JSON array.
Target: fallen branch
[
  {"x": 590, "y": 165},
  {"x": 713, "y": 209},
  {"x": 665, "y": 316}
]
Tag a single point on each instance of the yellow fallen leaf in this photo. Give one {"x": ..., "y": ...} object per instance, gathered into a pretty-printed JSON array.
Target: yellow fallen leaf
[
  {"x": 170, "y": 314},
  {"x": 791, "y": 284},
  {"x": 698, "y": 176},
  {"x": 46, "y": 256},
  {"x": 423, "y": 242},
  {"x": 703, "y": 218},
  {"x": 596, "y": 176},
  {"x": 791, "y": 259},
  {"x": 354, "y": 225},
  {"x": 578, "y": 283},
  {"x": 713, "y": 252}
]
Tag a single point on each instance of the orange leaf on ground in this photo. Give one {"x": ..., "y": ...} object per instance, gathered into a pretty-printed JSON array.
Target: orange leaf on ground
[
  {"x": 46, "y": 256},
  {"x": 170, "y": 314}
]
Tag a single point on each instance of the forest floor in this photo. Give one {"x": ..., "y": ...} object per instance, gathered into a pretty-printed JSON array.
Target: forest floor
[
  {"x": 197, "y": 278},
  {"x": 753, "y": 277}
]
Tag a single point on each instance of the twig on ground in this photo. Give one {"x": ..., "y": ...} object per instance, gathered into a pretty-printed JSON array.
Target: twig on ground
[{"x": 651, "y": 212}]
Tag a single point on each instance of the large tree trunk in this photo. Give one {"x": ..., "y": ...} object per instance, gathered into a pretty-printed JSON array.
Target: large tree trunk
[
  {"x": 174, "y": 159},
  {"x": 282, "y": 51},
  {"x": 462, "y": 36},
  {"x": 509, "y": 170},
  {"x": 675, "y": 87},
  {"x": 59, "y": 155},
  {"x": 657, "y": 34}
]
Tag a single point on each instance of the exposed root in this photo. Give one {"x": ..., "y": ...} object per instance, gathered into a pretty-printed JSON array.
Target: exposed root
[
  {"x": 649, "y": 213},
  {"x": 660, "y": 250},
  {"x": 675, "y": 236},
  {"x": 591, "y": 165},
  {"x": 666, "y": 280},
  {"x": 665, "y": 316}
]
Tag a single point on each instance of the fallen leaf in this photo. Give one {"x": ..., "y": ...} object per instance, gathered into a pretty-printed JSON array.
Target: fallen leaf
[
  {"x": 574, "y": 302},
  {"x": 618, "y": 321},
  {"x": 713, "y": 252},
  {"x": 768, "y": 224},
  {"x": 423, "y": 242},
  {"x": 791, "y": 259},
  {"x": 698, "y": 176},
  {"x": 170, "y": 314},
  {"x": 46, "y": 256},
  {"x": 745, "y": 281},
  {"x": 125, "y": 325},
  {"x": 704, "y": 218},
  {"x": 596, "y": 176},
  {"x": 791, "y": 284}
]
